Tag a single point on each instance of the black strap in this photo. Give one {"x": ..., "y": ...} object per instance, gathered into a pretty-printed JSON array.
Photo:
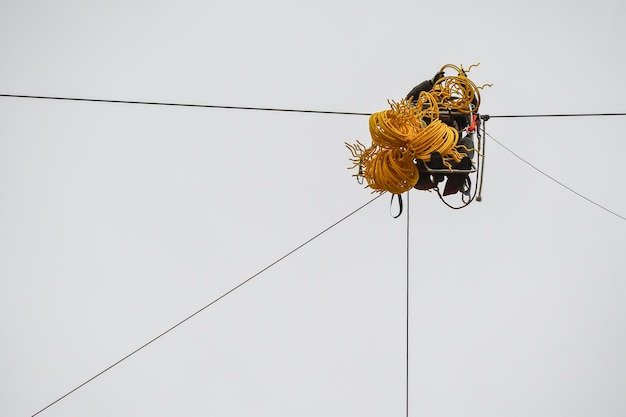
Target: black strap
[{"x": 399, "y": 204}]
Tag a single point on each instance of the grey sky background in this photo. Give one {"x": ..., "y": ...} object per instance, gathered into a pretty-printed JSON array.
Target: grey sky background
[{"x": 117, "y": 221}]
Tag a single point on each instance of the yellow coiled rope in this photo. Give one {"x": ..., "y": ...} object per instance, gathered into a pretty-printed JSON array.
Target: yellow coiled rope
[
  {"x": 391, "y": 170},
  {"x": 410, "y": 131},
  {"x": 457, "y": 92},
  {"x": 393, "y": 128}
]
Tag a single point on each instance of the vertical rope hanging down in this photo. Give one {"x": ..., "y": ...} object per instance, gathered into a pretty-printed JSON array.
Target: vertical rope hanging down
[{"x": 407, "y": 301}]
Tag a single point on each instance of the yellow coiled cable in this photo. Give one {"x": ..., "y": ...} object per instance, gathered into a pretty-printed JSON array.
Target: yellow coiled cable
[
  {"x": 391, "y": 170},
  {"x": 393, "y": 128},
  {"x": 457, "y": 92},
  {"x": 436, "y": 137}
]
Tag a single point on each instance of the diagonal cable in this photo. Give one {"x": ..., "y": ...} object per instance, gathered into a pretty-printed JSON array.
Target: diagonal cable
[
  {"x": 555, "y": 180},
  {"x": 208, "y": 305}
]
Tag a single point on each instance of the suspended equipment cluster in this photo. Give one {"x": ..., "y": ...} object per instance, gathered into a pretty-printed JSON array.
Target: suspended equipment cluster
[{"x": 414, "y": 129}]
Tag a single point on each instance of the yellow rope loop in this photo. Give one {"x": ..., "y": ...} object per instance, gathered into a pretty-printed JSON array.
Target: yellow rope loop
[
  {"x": 426, "y": 109},
  {"x": 391, "y": 170},
  {"x": 457, "y": 93},
  {"x": 436, "y": 137},
  {"x": 390, "y": 130},
  {"x": 459, "y": 70},
  {"x": 394, "y": 128}
]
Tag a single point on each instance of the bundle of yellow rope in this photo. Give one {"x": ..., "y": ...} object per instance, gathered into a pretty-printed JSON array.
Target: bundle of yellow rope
[{"x": 412, "y": 130}]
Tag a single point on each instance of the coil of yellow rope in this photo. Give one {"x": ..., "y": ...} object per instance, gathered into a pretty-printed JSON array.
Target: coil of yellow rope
[{"x": 391, "y": 170}]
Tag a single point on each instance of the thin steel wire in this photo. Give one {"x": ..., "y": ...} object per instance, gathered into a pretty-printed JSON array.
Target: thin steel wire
[
  {"x": 208, "y": 305},
  {"x": 555, "y": 180}
]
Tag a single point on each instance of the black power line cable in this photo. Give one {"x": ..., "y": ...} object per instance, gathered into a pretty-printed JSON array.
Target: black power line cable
[
  {"x": 518, "y": 116},
  {"x": 215, "y": 106},
  {"x": 210, "y": 106},
  {"x": 208, "y": 305}
]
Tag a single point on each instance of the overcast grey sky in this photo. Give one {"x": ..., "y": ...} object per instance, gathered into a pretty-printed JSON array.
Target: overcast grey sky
[{"x": 117, "y": 221}]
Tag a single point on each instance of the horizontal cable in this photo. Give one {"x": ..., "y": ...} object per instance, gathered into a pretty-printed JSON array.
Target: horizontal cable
[
  {"x": 215, "y": 106},
  {"x": 555, "y": 180},
  {"x": 209, "y": 304},
  {"x": 518, "y": 116},
  {"x": 210, "y": 106}
]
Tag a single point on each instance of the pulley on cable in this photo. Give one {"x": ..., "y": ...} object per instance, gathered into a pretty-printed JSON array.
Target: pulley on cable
[{"x": 430, "y": 137}]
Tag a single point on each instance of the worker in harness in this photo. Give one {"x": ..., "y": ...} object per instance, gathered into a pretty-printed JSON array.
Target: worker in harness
[{"x": 456, "y": 181}]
